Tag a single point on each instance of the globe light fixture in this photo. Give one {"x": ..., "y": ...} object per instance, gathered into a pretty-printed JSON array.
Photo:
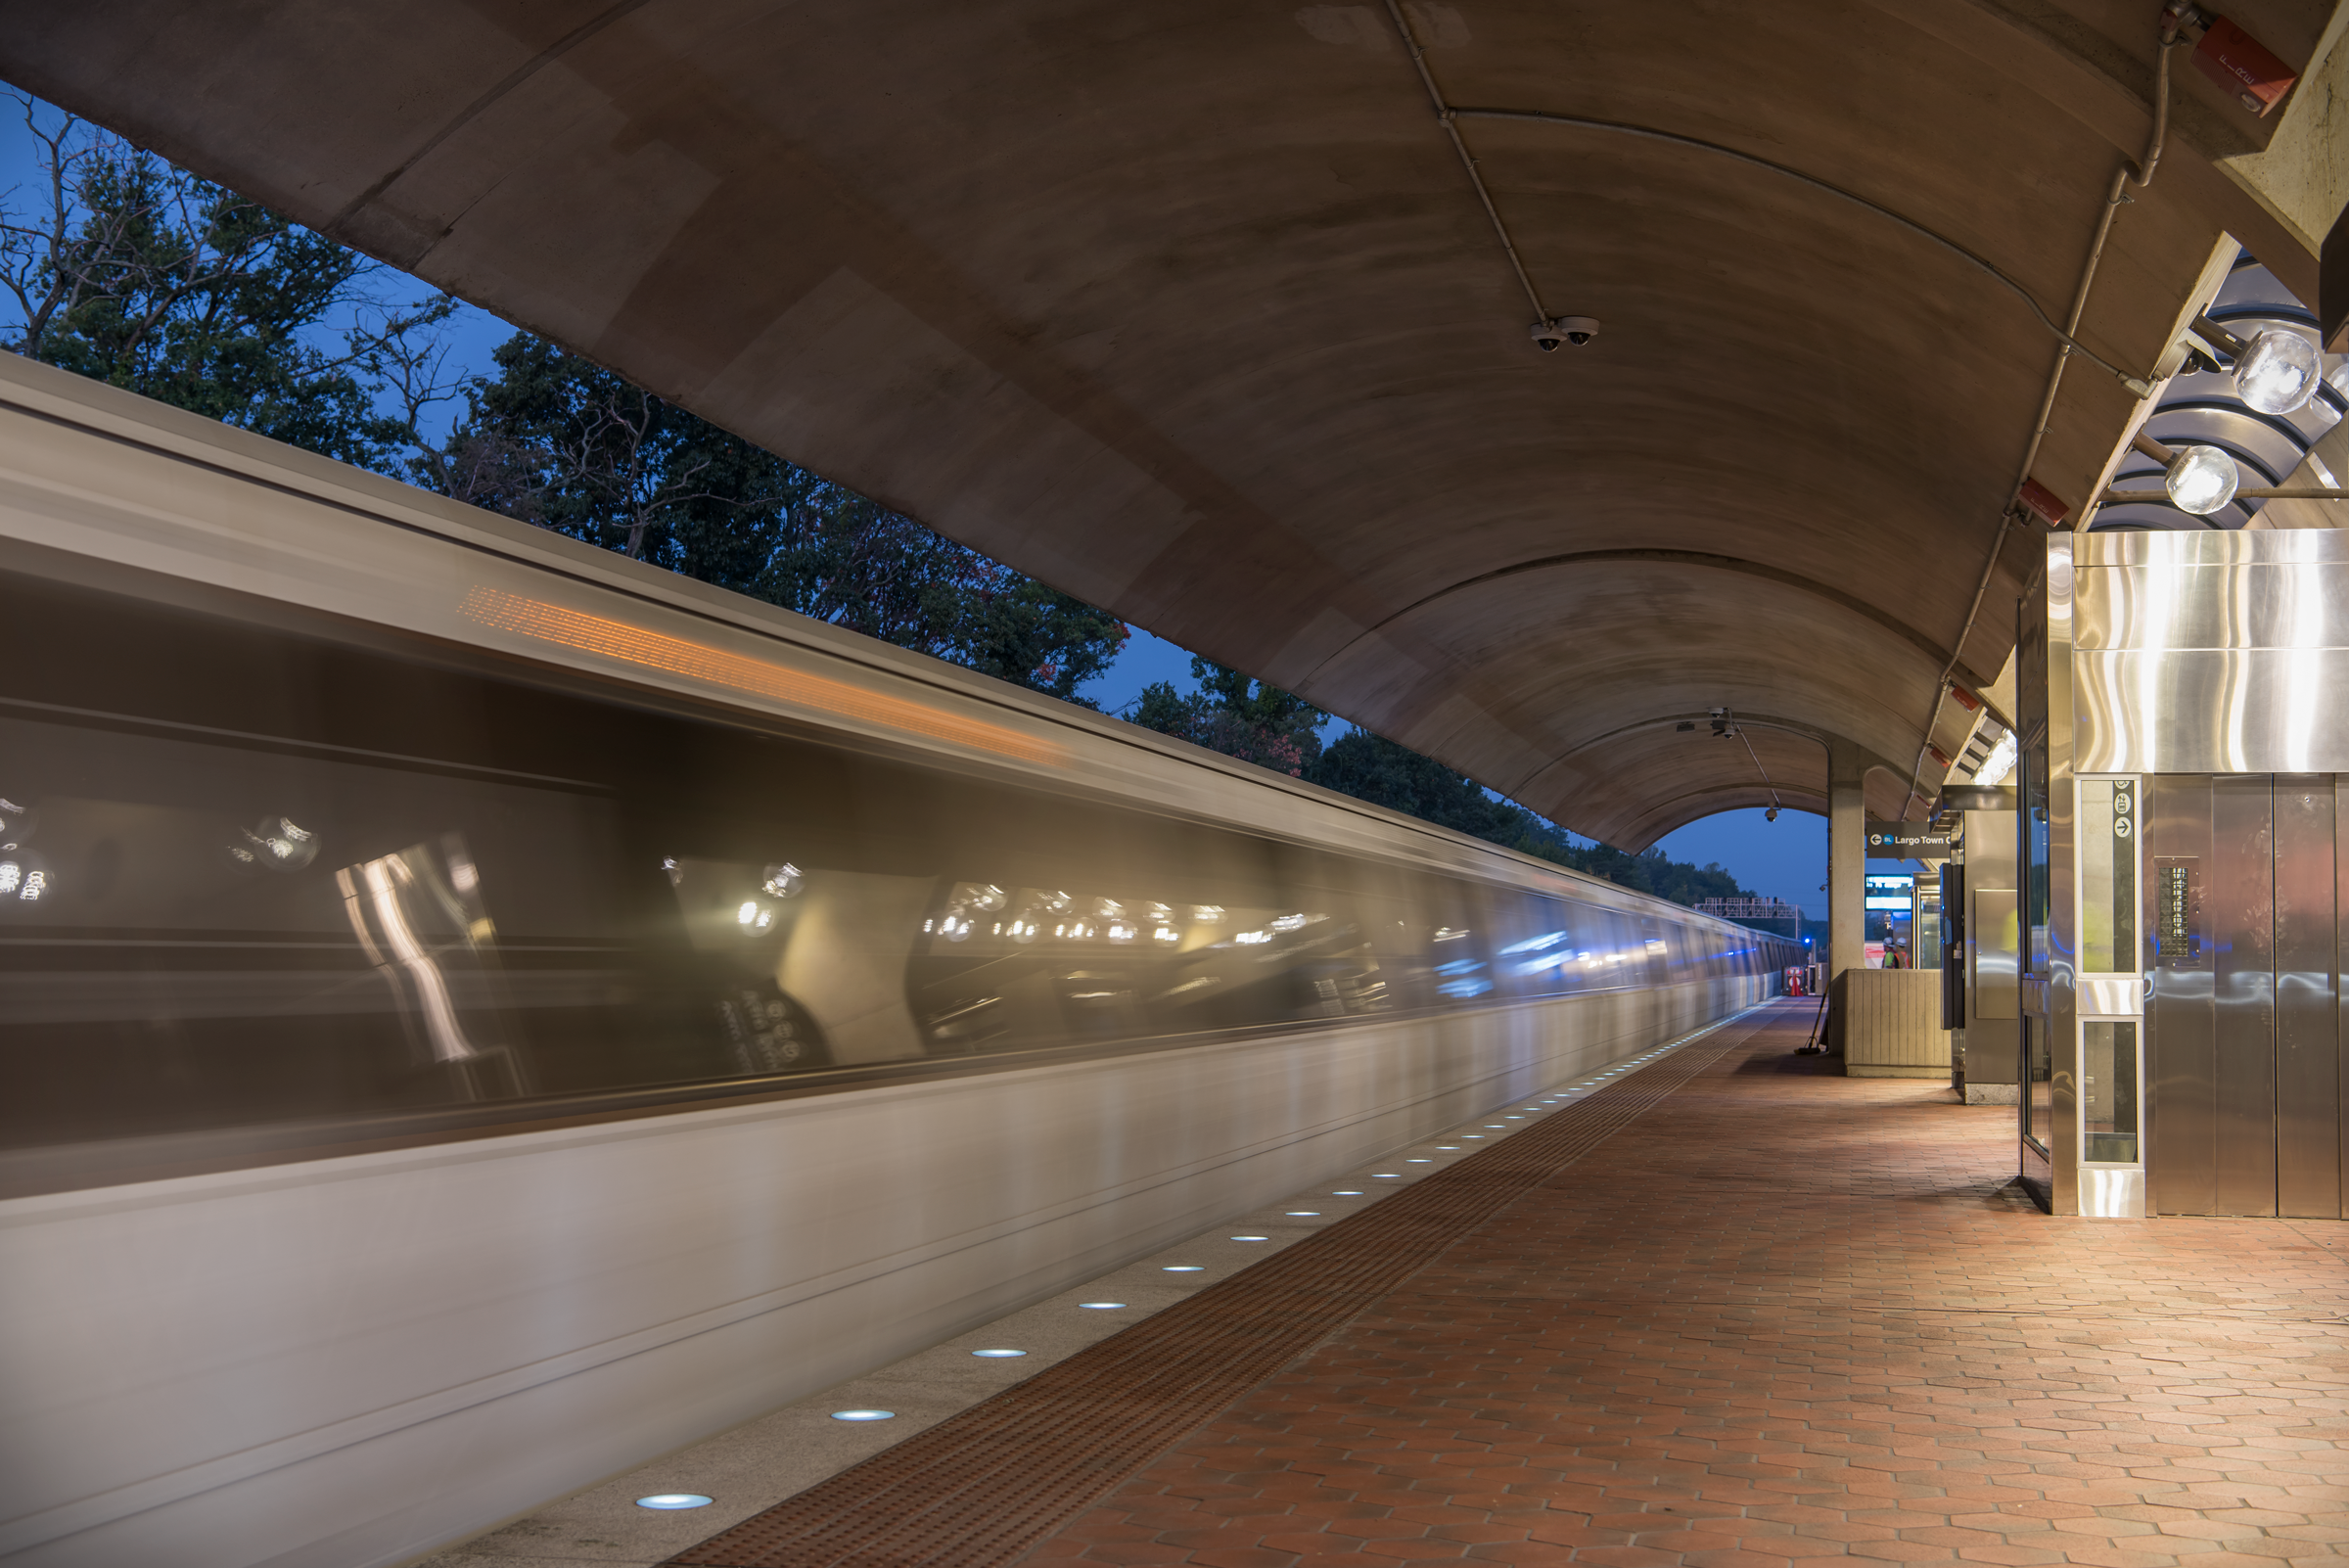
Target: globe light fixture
[
  {"x": 2201, "y": 480},
  {"x": 2278, "y": 374}
]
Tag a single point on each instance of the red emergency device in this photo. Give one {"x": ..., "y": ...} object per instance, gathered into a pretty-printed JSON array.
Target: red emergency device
[{"x": 2241, "y": 64}]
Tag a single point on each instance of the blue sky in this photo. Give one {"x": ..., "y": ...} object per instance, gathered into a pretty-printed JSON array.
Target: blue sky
[{"x": 1786, "y": 858}]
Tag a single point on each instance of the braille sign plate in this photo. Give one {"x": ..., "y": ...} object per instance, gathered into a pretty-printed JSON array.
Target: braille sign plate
[{"x": 2174, "y": 912}]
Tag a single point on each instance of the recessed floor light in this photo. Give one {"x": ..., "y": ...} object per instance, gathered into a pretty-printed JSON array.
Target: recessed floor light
[
  {"x": 1447, "y": 1146},
  {"x": 1512, "y": 1118},
  {"x": 997, "y": 1354},
  {"x": 1100, "y": 1306},
  {"x": 673, "y": 1500},
  {"x": 1418, "y": 1159},
  {"x": 1347, "y": 1193},
  {"x": 1479, "y": 1137},
  {"x": 1181, "y": 1268},
  {"x": 864, "y": 1416},
  {"x": 1386, "y": 1175},
  {"x": 1495, "y": 1126},
  {"x": 1304, "y": 1214},
  {"x": 1251, "y": 1238}
]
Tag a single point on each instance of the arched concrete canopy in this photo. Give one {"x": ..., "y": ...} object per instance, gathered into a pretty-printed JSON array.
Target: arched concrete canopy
[{"x": 1190, "y": 309}]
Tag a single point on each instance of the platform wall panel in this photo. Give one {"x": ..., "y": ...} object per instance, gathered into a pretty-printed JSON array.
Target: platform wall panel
[{"x": 1890, "y": 1023}]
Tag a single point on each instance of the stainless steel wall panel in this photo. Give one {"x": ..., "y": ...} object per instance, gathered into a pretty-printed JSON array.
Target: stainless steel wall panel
[
  {"x": 2308, "y": 1066},
  {"x": 2242, "y": 916},
  {"x": 2266, "y": 604},
  {"x": 2181, "y": 1041},
  {"x": 2212, "y": 653},
  {"x": 2213, "y": 710},
  {"x": 2211, "y": 547}
]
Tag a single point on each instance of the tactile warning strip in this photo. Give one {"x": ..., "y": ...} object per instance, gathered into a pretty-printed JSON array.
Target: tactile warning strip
[{"x": 985, "y": 1486}]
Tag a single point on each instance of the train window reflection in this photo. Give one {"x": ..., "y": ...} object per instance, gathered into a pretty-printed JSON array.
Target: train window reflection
[{"x": 269, "y": 878}]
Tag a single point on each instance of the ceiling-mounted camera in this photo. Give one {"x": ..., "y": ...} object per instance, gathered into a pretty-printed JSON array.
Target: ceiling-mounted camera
[{"x": 1575, "y": 330}]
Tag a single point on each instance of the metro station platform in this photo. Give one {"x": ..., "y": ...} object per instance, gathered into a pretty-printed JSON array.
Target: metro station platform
[{"x": 1730, "y": 1309}]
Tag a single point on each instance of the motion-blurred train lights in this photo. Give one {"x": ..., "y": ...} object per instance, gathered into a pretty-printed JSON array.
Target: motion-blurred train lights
[
  {"x": 629, "y": 644},
  {"x": 782, "y": 880}
]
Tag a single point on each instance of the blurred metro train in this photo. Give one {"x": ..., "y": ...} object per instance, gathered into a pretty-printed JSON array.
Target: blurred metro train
[{"x": 479, "y": 1011}]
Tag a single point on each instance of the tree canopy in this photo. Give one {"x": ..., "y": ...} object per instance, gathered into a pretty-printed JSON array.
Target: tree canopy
[
  {"x": 1239, "y": 717},
  {"x": 554, "y": 438}
]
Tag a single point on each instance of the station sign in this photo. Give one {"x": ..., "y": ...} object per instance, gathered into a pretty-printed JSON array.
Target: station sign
[{"x": 1909, "y": 841}]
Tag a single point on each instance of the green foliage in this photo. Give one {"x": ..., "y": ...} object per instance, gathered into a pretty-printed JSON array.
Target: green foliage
[
  {"x": 1369, "y": 768},
  {"x": 556, "y": 439},
  {"x": 136, "y": 273},
  {"x": 1017, "y": 630},
  {"x": 1239, "y": 717}
]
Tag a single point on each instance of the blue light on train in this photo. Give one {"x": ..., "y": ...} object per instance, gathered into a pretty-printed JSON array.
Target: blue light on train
[
  {"x": 1541, "y": 944},
  {"x": 673, "y": 1500},
  {"x": 864, "y": 1416},
  {"x": 1465, "y": 981}
]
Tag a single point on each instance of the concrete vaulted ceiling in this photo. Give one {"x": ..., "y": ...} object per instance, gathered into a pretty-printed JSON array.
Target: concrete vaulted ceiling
[{"x": 1191, "y": 310}]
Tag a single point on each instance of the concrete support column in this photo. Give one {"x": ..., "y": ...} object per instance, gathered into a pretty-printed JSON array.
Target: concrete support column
[{"x": 1847, "y": 863}]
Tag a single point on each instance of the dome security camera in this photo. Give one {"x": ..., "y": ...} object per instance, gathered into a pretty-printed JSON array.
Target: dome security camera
[
  {"x": 1579, "y": 330},
  {"x": 1547, "y": 336}
]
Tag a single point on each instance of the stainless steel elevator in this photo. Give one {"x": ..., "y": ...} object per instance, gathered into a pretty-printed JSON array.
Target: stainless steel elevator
[
  {"x": 2244, "y": 1017},
  {"x": 2181, "y": 707}
]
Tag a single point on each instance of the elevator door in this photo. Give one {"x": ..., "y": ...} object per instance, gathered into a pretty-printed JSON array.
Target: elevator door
[{"x": 2245, "y": 1026}]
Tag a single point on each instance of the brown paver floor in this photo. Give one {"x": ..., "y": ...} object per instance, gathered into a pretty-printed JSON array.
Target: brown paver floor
[
  {"x": 1732, "y": 1312},
  {"x": 1784, "y": 1317}
]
